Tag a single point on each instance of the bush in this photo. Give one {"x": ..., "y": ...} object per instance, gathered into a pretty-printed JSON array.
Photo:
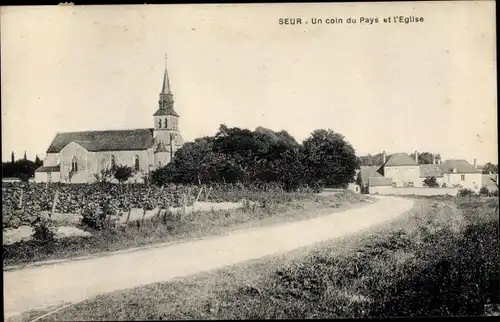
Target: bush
[
  {"x": 465, "y": 192},
  {"x": 484, "y": 191},
  {"x": 431, "y": 182},
  {"x": 93, "y": 217},
  {"x": 123, "y": 173},
  {"x": 24, "y": 177},
  {"x": 44, "y": 230}
]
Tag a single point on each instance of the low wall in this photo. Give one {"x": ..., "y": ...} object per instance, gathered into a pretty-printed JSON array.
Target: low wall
[{"x": 415, "y": 191}]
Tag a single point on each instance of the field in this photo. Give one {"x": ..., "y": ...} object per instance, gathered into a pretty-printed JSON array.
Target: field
[
  {"x": 439, "y": 259},
  {"x": 258, "y": 206}
]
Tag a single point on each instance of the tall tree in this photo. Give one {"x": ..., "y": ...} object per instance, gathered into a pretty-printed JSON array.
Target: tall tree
[
  {"x": 38, "y": 162},
  {"x": 329, "y": 159},
  {"x": 490, "y": 167},
  {"x": 12, "y": 160},
  {"x": 25, "y": 158}
]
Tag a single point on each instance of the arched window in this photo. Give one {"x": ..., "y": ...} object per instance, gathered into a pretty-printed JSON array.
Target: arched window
[
  {"x": 136, "y": 163},
  {"x": 166, "y": 123},
  {"x": 159, "y": 123},
  {"x": 113, "y": 162},
  {"x": 74, "y": 164}
]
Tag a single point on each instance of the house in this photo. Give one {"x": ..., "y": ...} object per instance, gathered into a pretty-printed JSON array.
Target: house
[
  {"x": 402, "y": 169},
  {"x": 77, "y": 157},
  {"x": 379, "y": 185},
  {"x": 371, "y": 179},
  {"x": 460, "y": 173},
  {"x": 430, "y": 170}
]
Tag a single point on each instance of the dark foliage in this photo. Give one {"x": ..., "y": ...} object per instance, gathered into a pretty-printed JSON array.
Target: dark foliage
[
  {"x": 431, "y": 182},
  {"x": 239, "y": 155}
]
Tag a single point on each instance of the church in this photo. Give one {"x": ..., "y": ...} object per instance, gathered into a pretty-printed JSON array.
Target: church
[{"x": 77, "y": 157}]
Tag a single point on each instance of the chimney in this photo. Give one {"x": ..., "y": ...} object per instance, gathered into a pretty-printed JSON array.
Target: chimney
[
  {"x": 475, "y": 162},
  {"x": 383, "y": 157},
  {"x": 416, "y": 156}
]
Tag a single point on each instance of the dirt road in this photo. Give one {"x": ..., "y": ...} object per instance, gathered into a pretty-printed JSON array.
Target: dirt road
[{"x": 72, "y": 281}]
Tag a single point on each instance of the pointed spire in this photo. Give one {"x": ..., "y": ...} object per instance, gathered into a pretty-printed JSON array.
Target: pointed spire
[
  {"x": 166, "y": 81},
  {"x": 166, "y": 102}
]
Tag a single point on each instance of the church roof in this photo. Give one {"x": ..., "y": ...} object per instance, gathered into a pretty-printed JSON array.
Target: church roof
[
  {"x": 45, "y": 168},
  {"x": 112, "y": 140},
  {"x": 161, "y": 148},
  {"x": 165, "y": 111}
]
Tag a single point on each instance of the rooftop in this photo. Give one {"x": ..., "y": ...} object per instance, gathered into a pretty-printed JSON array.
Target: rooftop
[
  {"x": 461, "y": 166},
  {"x": 111, "y": 140},
  {"x": 400, "y": 159}
]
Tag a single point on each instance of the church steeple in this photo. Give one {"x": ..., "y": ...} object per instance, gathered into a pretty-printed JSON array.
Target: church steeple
[
  {"x": 165, "y": 118},
  {"x": 166, "y": 92},
  {"x": 166, "y": 124}
]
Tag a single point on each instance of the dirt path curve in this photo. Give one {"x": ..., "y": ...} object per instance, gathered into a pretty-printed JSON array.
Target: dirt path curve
[{"x": 37, "y": 287}]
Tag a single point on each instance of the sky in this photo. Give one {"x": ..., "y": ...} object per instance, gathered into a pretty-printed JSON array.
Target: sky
[{"x": 427, "y": 86}]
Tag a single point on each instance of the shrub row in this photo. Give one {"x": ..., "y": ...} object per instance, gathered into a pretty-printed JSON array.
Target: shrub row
[{"x": 85, "y": 198}]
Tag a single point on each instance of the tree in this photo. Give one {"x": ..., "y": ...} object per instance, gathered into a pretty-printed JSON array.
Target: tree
[
  {"x": 12, "y": 160},
  {"x": 25, "y": 168},
  {"x": 164, "y": 175},
  {"x": 38, "y": 162},
  {"x": 329, "y": 159},
  {"x": 426, "y": 157},
  {"x": 370, "y": 160},
  {"x": 122, "y": 173},
  {"x": 490, "y": 167},
  {"x": 484, "y": 191},
  {"x": 431, "y": 182},
  {"x": 105, "y": 175},
  {"x": 195, "y": 161},
  {"x": 288, "y": 168},
  {"x": 25, "y": 158}
]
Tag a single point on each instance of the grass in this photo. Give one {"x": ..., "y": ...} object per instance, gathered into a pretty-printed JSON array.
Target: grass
[
  {"x": 440, "y": 259},
  {"x": 172, "y": 228}
]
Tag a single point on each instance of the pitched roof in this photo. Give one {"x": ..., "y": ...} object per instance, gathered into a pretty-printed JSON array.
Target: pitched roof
[
  {"x": 430, "y": 170},
  {"x": 400, "y": 159},
  {"x": 165, "y": 111},
  {"x": 379, "y": 181},
  {"x": 369, "y": 171},
  {"x": 43, "y": 168},
  {"x": 461, "y": 166},
  {"x": 161, "y": 148},
  {"x": 113, "y": 140}
]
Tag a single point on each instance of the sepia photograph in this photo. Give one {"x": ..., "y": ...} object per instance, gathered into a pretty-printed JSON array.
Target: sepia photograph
[{"x": 249, "y": 161}]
